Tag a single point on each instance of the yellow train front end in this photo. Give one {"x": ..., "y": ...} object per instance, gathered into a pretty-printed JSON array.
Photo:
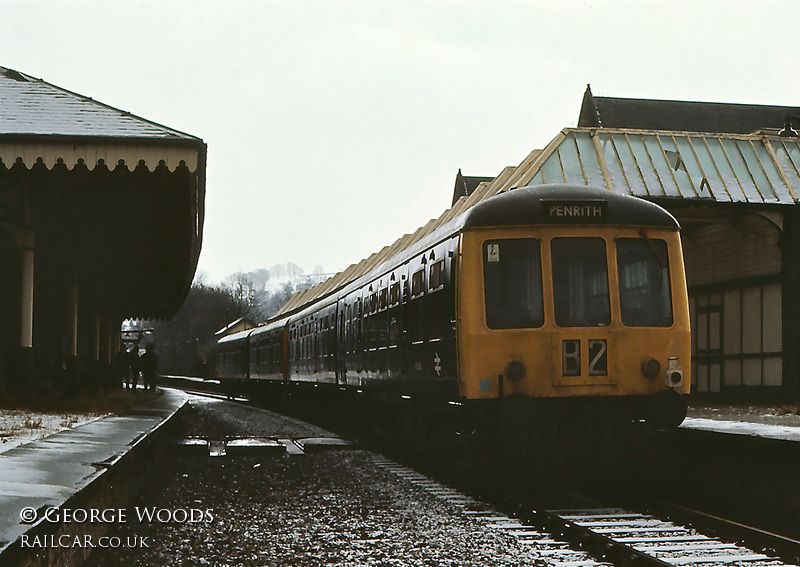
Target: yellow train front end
[{"x": 586, "y": 302}]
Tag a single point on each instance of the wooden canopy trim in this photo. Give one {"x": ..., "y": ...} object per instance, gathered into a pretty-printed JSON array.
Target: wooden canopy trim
[{"x": 91, "y": 155}]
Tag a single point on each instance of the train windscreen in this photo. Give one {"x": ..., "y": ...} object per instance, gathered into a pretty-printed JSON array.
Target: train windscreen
[
  {"x": 644, "y": 290},
  {"x": 513, "y": 284},
  {"x": 580, "y": 282}
]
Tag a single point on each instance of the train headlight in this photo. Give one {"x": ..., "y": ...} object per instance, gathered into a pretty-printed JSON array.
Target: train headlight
[
  {"x": 515, "y": 371},
  {"x": 674, "y": 373},
  {"x": 651, "y": 367}
]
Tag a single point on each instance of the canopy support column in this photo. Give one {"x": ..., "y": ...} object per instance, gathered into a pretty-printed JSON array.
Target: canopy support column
[{"x": 26, "y": 241}]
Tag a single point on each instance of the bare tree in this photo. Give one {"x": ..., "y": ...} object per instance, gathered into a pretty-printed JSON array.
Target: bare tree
[
  {"x": 243, "y": 296},
  {"x": 187, "y": 343}
]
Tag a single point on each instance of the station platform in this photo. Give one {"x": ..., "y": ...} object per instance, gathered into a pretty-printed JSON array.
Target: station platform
[
  {"x": 781, "y": 422},
  {"x": 51, "y": 472}
]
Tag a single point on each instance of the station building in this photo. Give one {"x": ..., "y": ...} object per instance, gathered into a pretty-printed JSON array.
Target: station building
[{"x": 101, "y": 219}]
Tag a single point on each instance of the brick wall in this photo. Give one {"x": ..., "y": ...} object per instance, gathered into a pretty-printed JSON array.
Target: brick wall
[{"x": 731, "y": 250}]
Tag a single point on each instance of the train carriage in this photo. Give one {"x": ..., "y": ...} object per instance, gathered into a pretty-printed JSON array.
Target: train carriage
[
  {"x": 267, "y": 351},
  {"x": 540, "y": 293},
  {"x": 233, "y": 361},
  {"x": 568, "y": 292}
]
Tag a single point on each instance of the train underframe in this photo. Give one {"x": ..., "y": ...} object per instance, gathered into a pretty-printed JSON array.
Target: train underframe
[{"x": 508, "y": 438}]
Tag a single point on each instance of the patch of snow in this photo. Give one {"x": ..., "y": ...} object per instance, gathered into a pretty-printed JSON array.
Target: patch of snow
[
  {"x": 18, "y": 427},
  {"x": 743, "y": 428}
]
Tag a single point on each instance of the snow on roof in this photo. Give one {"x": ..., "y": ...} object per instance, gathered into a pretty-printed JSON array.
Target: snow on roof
[
  {"x": 30, "y": 106},
  {"x": 247, "y": 322}
]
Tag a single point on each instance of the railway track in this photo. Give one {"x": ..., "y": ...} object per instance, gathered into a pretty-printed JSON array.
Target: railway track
[
  {"x": 602, "y": 536},
  {"x": 589, "y": 537},
  {"x": 198, "y": 386}
]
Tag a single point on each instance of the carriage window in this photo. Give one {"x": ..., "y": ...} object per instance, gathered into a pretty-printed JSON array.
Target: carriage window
[
  {"x": 436, "y": 278},
  {"x": 418, "y": 283},
  {"x": 394, "y": 294},
  {"x": 644, "y": 292},
  {"x": 512, "y": 279},
  {"x": 580, "y": 282}
]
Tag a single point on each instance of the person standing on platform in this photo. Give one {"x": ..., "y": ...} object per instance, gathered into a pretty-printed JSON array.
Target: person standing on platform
[
  {"x": 148, "y": 362},
  {"x": 133, "y": 367}
]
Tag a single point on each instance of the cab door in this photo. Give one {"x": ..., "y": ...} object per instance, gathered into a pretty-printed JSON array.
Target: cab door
[{"x": 341, "y": 343}]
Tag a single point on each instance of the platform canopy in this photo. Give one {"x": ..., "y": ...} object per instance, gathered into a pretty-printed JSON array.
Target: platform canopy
[
  {"x": 759, "y": 168},
  {"x": 113, "y": 202}
]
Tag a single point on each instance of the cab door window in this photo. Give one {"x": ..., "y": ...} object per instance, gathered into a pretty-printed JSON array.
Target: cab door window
[{"x": 512, "y": 280}]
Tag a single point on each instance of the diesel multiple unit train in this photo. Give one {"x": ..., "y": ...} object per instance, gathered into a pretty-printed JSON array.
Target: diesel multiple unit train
[{"x": 539, "y": 297}]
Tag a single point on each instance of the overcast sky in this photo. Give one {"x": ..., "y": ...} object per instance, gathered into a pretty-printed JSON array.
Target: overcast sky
[{"x": 333, "y": 128}]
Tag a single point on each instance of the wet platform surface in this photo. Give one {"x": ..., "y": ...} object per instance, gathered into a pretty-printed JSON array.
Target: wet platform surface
[{"x": 47, "y": 472}]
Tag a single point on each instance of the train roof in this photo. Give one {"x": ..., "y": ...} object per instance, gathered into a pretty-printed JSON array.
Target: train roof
[
  {"x": 549, "y": 204},
  {"x": 270, "y": 326},
  {"x": 235, "y": 336}
]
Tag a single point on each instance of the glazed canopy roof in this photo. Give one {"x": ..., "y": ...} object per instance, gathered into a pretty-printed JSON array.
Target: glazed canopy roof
[{"x": 758, "y": 168}]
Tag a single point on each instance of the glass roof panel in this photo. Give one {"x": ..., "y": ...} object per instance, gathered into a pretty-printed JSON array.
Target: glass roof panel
[
  {"x": 661, "y": 165},
  {"x": 779, "y": 191},
  {"x": 588, "y": 154},
  {"x": 613, "y": 164},
  {"x": 756, "y": 169},
  {"x": 570, "y": 163},
  {"x": 701, "y": 185},
  {"x": 551, "y": 169},
  {"x": 715, "y": 184},
  {"x": 652, "y": 184},
  {"x": 789, "y": 159},
  {"x": 678, "y": 166},
  {"x": 723, "y": 164},
  {"x": 741, "y": 170},
  {"x": 629, "y": 165}
]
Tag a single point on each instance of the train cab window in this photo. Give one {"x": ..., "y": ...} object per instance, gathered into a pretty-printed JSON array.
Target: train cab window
[
  {"x": 644, "y": 292},
  {"x": 580, "y": 282},
  {"x": 512, "y": 280},
  {"x": 384, "y": 299}
]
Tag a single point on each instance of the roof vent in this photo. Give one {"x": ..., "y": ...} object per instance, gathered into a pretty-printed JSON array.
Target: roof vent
[
  {"x": 11, "y": 74},
  {"x": 788, "y": 131}
]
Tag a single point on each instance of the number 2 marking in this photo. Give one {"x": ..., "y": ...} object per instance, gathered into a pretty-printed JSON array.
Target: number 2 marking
[
  {"x": 571, "y": 357},
  {"x": 598, "y": 359}
]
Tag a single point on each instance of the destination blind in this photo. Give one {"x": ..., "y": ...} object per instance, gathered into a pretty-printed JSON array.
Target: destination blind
[{"x": 571, "y": 211}]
